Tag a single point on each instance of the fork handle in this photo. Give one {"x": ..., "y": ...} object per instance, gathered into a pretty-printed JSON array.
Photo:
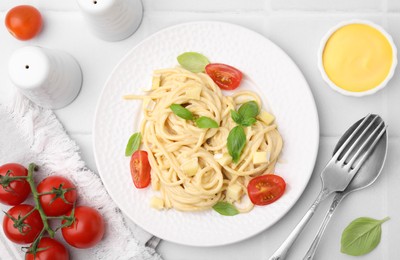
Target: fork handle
[
  {"x": 281, "y": 252},
  {"x": 313, "y": 248}
]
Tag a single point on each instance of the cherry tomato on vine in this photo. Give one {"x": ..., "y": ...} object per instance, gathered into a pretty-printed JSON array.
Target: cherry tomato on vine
[
  {"x": 13, "y": 192},
  {"x": 26, "y": 230},
  {"x": 24, "y": 22},
  {"x": 63, "y": 198},
  {"x": 87, "y": 229},
  {"x": 225, "y": 76},
  {"x": 140, "y": 169},
  {"x": 54, "y": 250},
  {"x": 266, "y": 189}
]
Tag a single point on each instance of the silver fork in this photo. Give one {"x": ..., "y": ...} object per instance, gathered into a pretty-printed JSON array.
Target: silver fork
[{"x": 337, "y": 174}]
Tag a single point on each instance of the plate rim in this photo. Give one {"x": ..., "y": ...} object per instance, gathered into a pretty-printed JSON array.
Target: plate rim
[{"x": 262, "y": 37}]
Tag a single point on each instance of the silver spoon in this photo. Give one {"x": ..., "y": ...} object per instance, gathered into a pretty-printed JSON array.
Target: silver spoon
[{"x": 367, "y": 175}]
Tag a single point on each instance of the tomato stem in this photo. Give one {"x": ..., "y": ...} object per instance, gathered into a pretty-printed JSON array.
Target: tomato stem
[
  {"x": 32, "y": 167},
  {"x": 21, "y": 220}
]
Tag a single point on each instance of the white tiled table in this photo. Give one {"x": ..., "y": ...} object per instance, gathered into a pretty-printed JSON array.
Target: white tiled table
[{"x": 297, "y": 27}]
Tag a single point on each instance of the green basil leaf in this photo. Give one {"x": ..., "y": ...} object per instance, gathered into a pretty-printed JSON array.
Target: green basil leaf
[
  {"x": 236, "y": 117},
  {"x": 133, "y": 143},
  {"x": 248, "y": 121},
  {"x": 249, "y": 109},
  {"x": 225, "y": 208},
  {"x": 236, "y": 142},
  {"x": 193, "y": 61},
  {"x": 206, "y": 122},
  {"x": 361, "y": 236},
  {"x": 181, "y": 112}
]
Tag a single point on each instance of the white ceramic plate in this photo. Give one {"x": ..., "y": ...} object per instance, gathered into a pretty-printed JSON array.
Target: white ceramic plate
[{"x": 267, "y": 70}]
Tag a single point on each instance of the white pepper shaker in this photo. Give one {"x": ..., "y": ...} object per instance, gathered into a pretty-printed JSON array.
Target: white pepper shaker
[
  {"x": 112, "y": 20},
  {"x": 49, "y": 78}
]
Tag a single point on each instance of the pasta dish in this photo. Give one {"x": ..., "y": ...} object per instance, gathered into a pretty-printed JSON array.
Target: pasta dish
[{"x": 193, "y": 167}]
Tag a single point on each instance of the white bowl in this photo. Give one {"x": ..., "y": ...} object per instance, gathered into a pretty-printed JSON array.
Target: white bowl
[{"x": 351, "y": 93}]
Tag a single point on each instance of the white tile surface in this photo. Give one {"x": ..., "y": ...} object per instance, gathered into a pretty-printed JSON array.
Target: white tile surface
[
  {"x": 297, "y": 27},
  {"x": 204, "y": 5},
  {"x": 393, "y": 90},
  {"x": 328, "y": 5},
  {"x": 393, "y": 5}
]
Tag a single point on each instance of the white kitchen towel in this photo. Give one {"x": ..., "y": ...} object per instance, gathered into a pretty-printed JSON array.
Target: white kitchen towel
[{"x": 29, "y": 133}]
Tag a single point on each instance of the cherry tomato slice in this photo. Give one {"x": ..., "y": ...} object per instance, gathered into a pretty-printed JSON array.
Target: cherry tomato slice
[
  {"x": 225, "y": 76},
  {"x": 51, "y": 250},
  {"x": 16, "y": 191},
  {"x": 24, "y": 22},
  {"x": 52, "y": 204},
  {"x": 140, "y": 169},
  {"x": 265, "y": 189}
]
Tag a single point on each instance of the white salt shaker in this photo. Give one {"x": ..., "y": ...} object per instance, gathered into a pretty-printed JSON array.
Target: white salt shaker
[
  {"x": 50, "y": 78},
  {"x": 112, "y": 20}
]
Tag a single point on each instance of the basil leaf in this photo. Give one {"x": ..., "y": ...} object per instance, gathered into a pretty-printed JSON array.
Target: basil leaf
[
  {"x": 133, "y": 143},
  {"x": 248, "y": 121},
  {"x": 181, "y": 112},
  {"x": 225, "y": 208},
  {"x": 236, "y": 117},
  {"x": 361, "y": 236},
  {"x": 193, "y": 61},
  {"x": 249, "y": 109},
  {"x": 236, "y": 142},
  {"x": 206, "y": 122}
]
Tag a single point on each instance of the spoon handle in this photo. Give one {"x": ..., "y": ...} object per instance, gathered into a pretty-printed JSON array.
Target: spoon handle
[
  {"x": 313, "y": 248},
  {"x": 281, "y": 252}
]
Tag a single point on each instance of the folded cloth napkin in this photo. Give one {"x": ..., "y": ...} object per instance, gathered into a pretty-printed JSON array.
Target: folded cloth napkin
[{"x": 29, "y": 133}]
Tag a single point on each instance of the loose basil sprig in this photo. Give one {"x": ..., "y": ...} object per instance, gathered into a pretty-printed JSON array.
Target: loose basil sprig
[
  {"x": 361, "y": 236},
  {"x": 193, "y": 61},
  {"x": 225, "y": 208},
  {"x": 133, "y": 144},
  {"x": 245, "y": 116},
  {"x": 201, "y": 122}
]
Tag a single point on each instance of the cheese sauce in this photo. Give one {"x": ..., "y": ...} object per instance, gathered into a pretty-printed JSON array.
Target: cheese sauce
[{"x": 357, "y": 57}]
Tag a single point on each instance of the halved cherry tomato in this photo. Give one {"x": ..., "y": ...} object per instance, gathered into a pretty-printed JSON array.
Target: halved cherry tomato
[
  {"x": 225, "y": 76},
  {"x": 24, "y": 22},
  {"x": 87, "y": 229},
  {"x": 49, "y": 249},
  {"x": 13, "y": 192},
  {"x": 61, "y": 201},
  {"x": 29, "y": 228},
  {"x": 140, "y": 169},
  {"x": 266, "y": 189}
]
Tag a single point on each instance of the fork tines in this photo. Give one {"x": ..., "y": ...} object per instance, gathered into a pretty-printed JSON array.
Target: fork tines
[{"x": 356, "y": 149}]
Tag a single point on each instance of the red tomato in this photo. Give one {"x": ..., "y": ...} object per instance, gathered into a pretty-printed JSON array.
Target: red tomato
[
  {"x": 87, "y": 229},
  {"x": 24, "y": 22},
  {"x": 266, "y": 189},
  {"x": 225, "y": 76},
  {"x": 30, "y": 227},
  {"x": 140, "y": 169},
  {"x": 54, "y": 251},
  {"x": 14, "y": 192},
  {"x": 53, "y": 204}
]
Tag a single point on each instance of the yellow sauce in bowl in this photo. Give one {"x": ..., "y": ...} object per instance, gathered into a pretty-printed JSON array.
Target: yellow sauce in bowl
[{"x": 357, "y": 57}]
